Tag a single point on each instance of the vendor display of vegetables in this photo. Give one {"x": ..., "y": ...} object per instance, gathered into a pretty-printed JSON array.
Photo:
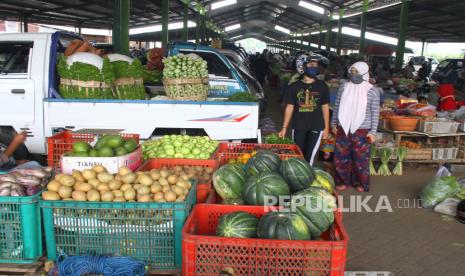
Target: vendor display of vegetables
[
  {"x": 180, "y": 146},
  {"x": 266, "y": 177},
  {"x": 106, "y": 146},
  {"x": 275, "y": 139},
  {"x": 152, "y": 76},
  {"x": 184, "y": 67},
  {"x": 96, "y": 184},
  {"x": 242, "y": 97},
  {"x": 401, "y": 152},
  {"x": 24, "y": 182},
  {"x": 385, "y": 155}
]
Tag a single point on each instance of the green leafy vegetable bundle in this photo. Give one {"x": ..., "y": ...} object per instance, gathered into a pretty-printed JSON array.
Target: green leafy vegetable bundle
[
  {"x": 275, "y": 139},
  {"x": 438, "y": 190},
  {"x": 129, "y": 80},
  {"x": 242, "y": 97},
  {"x": 85, "y": 81}
]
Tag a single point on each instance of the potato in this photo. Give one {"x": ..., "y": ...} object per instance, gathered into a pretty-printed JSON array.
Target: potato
[
  {"x": 118, "y": 178},
  {"x": 99, "y": 169},
  {"x": 124, "y": 187},
  {"x": 164, "y": 173},
  {"x": 59, "y": 176},
  {"x": 114, "y": 185},
  {"x": 163, "y": 181},
  {"x": 189, "y": 184},
  {"x": 78, "y": 176},
  {"x": 68, "y": 199},
  {"x": 182, "y": 183},
  {"x": 185, "y": 177},
  {"x": 93, "y": 182},
  {"x": 155, "y": 188},
  {"x": 179, "y": 199},
  {"x": 89, "y": 174},
  {"x": 139, "y": 173},
  {"x": 93, "y": 195},
  {"x": 105, "y": 177},
  {"x": 183, "y": 198},
  {"x": 67, "y": 181},
  {"x": 143, "y": 190},
  {"x": 82, "y": 187},
  {"x": 177, "y": 168},
  {"x": 107, "y": 196},
  {"x": 65, "y": 191},
  {"x": 118, "y": 193},
  {"x": 129, "y": 178},
  {"x": 186, "y": 191},
  {"x": 119, "y": 199},
  {"x": 103, "y": 187},
  {"x": 145, "y": 180},
  {"x": 172, "y": 179},
  {"x": 155, "y": 174},
  {"x": 177, "y": 190},
  {"x": 209, "y": 170},
  {"x": 53, "y": 186},
  {"x": 170, "y": 196},
  {"x": 79, "y": 196},
  {"x": 50, "y": 195},
  {"x": 130, "y": 194},
  {"x": 123, "y": 171},
  {"x": 165, "y": 188},
  {"x": 158, "y": 196},
  {"x": 144, "y": 198}
]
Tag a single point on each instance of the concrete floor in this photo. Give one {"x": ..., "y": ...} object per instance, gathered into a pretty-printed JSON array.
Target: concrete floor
[{"x": 407, "y": 241}]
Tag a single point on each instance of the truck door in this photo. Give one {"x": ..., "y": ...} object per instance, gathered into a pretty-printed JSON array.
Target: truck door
[{"x": 17, "y": 87}]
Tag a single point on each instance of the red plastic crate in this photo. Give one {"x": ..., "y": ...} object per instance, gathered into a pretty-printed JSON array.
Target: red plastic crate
[
  {"x": 62, "y": 143},
  {"x": 206, "y": 254},
  {"x": 203, "y": 189},
  {"x": 228, "y": 151}
]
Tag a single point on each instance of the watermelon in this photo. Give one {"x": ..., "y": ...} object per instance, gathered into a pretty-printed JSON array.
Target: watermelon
[
  {"x": 266, "y": 185},
  {"x": 229, "y": 181},
  {"x": 283, "y": 226},
  {"x": 316, "y": 206},
  {"x": 298, "y": 173},
  {"x": 263, "y": 161},
  {"x": 233, "y": 201},
  {"x": 323, "y": 180},
  {"x": 237, "y": 225}
]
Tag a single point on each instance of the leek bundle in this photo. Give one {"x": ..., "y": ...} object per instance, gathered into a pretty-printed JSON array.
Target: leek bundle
[
  {"x": 401, "y": 152},
  {"x": 373, "y": 153},
  {"x": 384, "y": 154}
]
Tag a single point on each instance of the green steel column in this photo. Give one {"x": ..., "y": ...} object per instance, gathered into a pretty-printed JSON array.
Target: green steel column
[
  {"x": 164, "y": 22},
  {"x": 185, "y": 27},
  {"x": 339, "y": 31},
  {"x": 198, "y": 22},
  {"x": 404, "y": 12},
  {"x": 320, "y": 36},
  {"x": 423, "y": 42},
  {"x": 203, "y": 29},
  {"x": 120, "y": 31},
  {"x": 363, "y": 26},
  {"x": 329, "y": 31},
  {"x": 25, "y": 24}
]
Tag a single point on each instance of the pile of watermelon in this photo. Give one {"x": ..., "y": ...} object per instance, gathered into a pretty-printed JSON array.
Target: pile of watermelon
[{"x": 266, "y": 179}]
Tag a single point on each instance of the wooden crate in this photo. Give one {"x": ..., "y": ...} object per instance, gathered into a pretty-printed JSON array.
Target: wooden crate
[
  {"x": 33, "y": 269},
  {"x": 419, "y": 154}
]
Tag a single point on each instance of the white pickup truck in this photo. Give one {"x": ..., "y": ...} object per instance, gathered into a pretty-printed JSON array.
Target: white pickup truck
[{"x": 29, "y": 100}]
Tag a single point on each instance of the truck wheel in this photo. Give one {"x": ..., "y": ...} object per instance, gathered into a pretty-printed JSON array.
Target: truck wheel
[{"x": 20, "y": 154}]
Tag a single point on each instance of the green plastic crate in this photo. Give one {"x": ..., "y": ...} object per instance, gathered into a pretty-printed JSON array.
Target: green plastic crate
[
  {"x": 20, "y": 229},
  {"x": 148, "y": 232}
]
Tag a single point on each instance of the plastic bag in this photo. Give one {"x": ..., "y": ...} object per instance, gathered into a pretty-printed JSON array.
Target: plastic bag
[
  {"x": 438, "y": 190},
  {"x": 448, "y": 207}
]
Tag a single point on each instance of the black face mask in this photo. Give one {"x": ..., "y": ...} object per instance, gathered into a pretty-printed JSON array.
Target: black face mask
[{"x": 356, "y": 78}]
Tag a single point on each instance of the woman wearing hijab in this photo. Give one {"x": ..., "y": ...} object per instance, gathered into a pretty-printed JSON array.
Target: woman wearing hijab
[{"x": 355, "y": 122}]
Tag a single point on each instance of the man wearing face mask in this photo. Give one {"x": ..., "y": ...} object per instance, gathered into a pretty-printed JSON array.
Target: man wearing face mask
[
  {"x": 307, "y": 103},
  {"x": 355, "y": 122}
]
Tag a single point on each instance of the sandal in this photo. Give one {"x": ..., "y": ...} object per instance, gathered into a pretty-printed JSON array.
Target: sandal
[
  {"x": 359, "y": 189},
  {"x": 341, "y": 187}
]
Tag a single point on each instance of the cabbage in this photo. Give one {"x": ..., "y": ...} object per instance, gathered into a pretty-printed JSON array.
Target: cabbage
[{"x": 438, "y": 190}]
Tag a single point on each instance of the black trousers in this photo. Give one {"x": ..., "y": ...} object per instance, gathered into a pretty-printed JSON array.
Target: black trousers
[{"x": 309, "y": 142}]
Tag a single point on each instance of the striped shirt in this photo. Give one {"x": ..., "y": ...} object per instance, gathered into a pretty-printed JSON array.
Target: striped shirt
[{"x": 371, "y": 114}]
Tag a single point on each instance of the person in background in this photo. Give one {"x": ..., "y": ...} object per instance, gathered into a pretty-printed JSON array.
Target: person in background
[
  {"x": 355, "y": 122},
  {"x": 409, "y": 71},
  {"x": 7, "y": 162},
  {"x": 307, "y": 103},
  {"x": 423, "y": 73}
]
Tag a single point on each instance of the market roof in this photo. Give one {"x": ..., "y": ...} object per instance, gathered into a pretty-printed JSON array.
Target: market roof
[{"x": 428, "y": 20}]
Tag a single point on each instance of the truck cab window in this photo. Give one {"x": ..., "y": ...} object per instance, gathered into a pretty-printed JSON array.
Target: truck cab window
[
  {"x": 14, "y": 57},
  {"x": 215, "y": 65}
]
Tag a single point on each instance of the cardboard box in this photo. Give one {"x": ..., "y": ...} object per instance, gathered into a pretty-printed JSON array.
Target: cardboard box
[{"x": 131, "y": 160}]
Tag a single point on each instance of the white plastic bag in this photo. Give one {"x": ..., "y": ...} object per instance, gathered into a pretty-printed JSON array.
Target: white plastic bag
[
  {"x": 84, "y": 57},
  {"x": 448, "y": 207},
  {"x": 119, "y": 57}
]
